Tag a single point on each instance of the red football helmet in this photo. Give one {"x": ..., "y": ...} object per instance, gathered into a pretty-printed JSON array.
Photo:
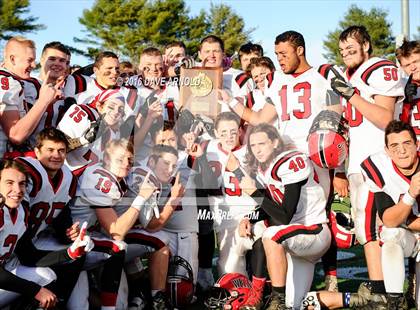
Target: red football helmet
[
  {"x": 342, "y": 232},
  {"x": 327, "y": 140},
  {"x": 229, "y": 293},
  {"x": 180, "y": 282}
]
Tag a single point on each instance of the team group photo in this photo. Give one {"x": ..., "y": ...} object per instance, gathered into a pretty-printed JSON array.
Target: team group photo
[{"x": 174, "y": 158}]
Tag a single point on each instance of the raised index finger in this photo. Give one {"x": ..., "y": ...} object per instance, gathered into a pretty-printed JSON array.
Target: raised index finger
[
  {"x": 83, "y": 230},
  {"x": 337, "y": 75},
  {"x": 47, "y": 76}
]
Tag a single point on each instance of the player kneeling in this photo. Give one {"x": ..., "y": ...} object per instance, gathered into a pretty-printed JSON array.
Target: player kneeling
[{"x": 298, "y": 235}]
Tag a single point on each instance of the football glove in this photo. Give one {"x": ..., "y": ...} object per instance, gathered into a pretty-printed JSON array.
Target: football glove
[
  {"x": 341, "y": 87},
  {"x": 82, "y": 245}
]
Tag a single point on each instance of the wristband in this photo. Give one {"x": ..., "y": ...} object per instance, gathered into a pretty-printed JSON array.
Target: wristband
[
  {"x": 408, "y": 199},
  {"x": 138, "y": 203},
  {"x": 233, "y": 103}
]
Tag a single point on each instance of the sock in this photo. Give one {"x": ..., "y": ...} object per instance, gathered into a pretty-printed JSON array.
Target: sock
[
  {"x": 378, "y": 286},
  {"x": 346, "y": 299},
  {"x": 279, "y": 289},
  {"x": 395, "y": 295},
  {"x": 258, "y": 283}
]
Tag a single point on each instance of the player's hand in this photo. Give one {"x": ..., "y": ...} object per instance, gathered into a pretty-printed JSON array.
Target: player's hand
[
  {"x": 177, "y": 191},
  {"x": 224, "y": 95},
  {"x": 46, "y": 298},
  {"x": 155, "y": 110},
  {"x": 186, "y": 63},
  {"x": 410, "y": 89},
  {"x": 193, "y": 149},
  {"x": 51, "y": 92},
  {"x": 82, "y": 245},
  {"x": 94, "y": 131},
  {"x": 414, "y": 189},
  {"x": 245, "y": 228},
  {"x": 147, "y": 188},
  {"x": 341, "y": 184},
  {"x": 340, "y": 86},
  {"x": 247, "y": 184},
  {"x": 73, "y": 231}
]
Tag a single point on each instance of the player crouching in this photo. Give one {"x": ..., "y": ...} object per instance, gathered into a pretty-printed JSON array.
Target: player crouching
[{"x": 298, "y": 235}]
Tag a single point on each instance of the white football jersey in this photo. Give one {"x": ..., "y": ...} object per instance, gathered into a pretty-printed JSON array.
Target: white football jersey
[
  {"x": 74, "y": 123},
  {"x": 52, "y": 114},
  {"x": 238, "y": 82},
  {"x": 411, "y": 111},
  {"x": 46, "y": 200},
  {"x": 97, "y": 188},
  {"x": 13, "y": 224},
  {"x": 292, "y": 167},
  {"x": 184, "y": 218},
  {"x": 85, "y": 89},
  {"x": 382, "y": 175},
  {"x": 374, "y": 77},
  {"x": 11, "y": 99},
  {"x": 234, "y": 203},
  {"x": 298, "y": 98}
]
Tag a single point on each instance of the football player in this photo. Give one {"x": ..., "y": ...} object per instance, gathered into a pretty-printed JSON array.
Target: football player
[
  {"x": 298, "y": 93},
  {"x": 211, "y": 52},
  {"x": 248, "y": 51},
  {"x": 298, "y": 235},
  {"x": 15, "y": 278},
  {"x": 17, "y": 120},
  {"x": 373, "y": 91},
  {"x": 105, "y": 115},
  {"x": 229, "y": 203},
  {"x": 408, "y": 55},
  {"x": 50, "y": 187},
  {"x": 174, "y": 53}
]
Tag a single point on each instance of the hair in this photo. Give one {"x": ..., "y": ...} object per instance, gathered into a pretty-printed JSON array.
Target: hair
[
  {"x": 56, "y": 45},
  {"x": 293, "y": 37},
  {"x": 359, "y": 33},
  {"x": 226, "y": 116},
  {"x": 101, "y": 56},
  {"x": 176, "y": 44},
  {"x": 122, "y": 143},
  {"x": 52, "y": 134},
  {"x": 397, "y": 127},
  {"x": 407, "y": 49},
  {"x": 273, "y": 134},
  {"x": 212, "y": 39},
  {"x": 167, "y": 125},
  {"x": 250, "y": 48},
  {"x": 160, "y": 149},
  {"x": 261, "y": 62},
  {"x": 126, "y": 64},
  {"x": 12, "y": 164},
  {"x": 151, "y": 51},
  {"x": 22, "y": 41}
]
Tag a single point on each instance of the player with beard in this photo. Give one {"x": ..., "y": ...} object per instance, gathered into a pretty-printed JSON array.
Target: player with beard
[
  {"x": 373, "y": 91},
  {"x": 17, "y": 120}
]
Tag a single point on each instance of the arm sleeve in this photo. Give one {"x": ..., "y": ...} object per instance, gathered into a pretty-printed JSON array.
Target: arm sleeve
[
  {"x": 382, "y": 201},
  {"x": 13, "y": 283},
  {"x": 284, "y": 213},
  {"x": 30, "y": 256}
]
